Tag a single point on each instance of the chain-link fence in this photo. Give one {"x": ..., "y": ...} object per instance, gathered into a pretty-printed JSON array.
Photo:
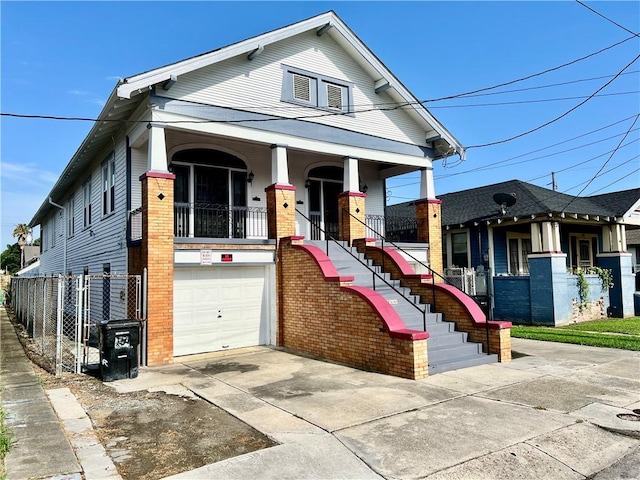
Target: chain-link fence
[{"x": 63, "y": 314}]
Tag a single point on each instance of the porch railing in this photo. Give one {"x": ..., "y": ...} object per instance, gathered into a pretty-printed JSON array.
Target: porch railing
[
  {"x": 393, "y": 228},
  {"x": 206, "y": 220},
  {"x": 135, "y": 224},
  {"x": 317, "y": 226}
]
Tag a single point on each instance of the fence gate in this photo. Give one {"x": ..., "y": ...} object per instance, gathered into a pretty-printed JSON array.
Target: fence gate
[{"x": 62, "y": 314}]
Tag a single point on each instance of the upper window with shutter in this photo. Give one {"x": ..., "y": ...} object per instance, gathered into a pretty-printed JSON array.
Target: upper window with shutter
[
  {"x": 301, "y": 88},
  {"x": 314, "y": 90}
]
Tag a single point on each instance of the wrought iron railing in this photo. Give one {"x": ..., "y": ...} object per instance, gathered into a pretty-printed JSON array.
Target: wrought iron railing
[
  {"x": 135, "y": 224},
  {"x": 206, "y": 220},
  {"x": 346, "y": 214},
  {"x": 317, "y": 226},
  {"x": 394, "y": 228},
  {"x": 329, "y": 237}
]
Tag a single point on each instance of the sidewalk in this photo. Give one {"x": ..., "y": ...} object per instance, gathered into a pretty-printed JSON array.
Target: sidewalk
[
  {"x": 51, "y": 442},
  {"x": 41, "y": 449}
]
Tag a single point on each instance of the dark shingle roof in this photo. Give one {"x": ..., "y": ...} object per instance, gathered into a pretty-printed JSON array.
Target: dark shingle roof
[{"x": 477, "y": 204}]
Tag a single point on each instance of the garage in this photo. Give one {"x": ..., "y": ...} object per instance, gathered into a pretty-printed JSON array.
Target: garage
[{"x": 220, "y": 307}]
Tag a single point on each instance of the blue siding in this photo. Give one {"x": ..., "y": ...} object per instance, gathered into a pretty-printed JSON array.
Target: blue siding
[
  {"x": 500, "y": 251},
  {"x": 512, "y": 299}
]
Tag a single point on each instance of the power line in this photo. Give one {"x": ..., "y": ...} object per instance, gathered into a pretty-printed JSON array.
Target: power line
[
  {"x": 607, "y": 19},
  {"x": 521, "y": 102},
  {"x": 528, "y": 77},
  {"x": 546, "y": 124},
  {"x": 539, "y": 87},
  {"x": 624, "y": 177},
  {"x": 489, "y": 167},
  {"x": 540, "y": 150},
  {"x": 606, "y": 162},
  {"x": 570, "y": 167}
]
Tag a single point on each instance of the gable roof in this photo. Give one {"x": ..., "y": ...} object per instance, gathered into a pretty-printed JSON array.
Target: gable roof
[
  {"x": 477, "y": 204},
  {"x": 324, "y": 24}
]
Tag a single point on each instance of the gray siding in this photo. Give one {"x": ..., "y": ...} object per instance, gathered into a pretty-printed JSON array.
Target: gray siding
[{"x": 105, "y": 240}]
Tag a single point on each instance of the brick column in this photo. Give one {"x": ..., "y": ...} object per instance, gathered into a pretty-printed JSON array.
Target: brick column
[
  {"x": 429, "y": 226},
  {"x": 157, "y": 257},
  {"x": 350, "y": 205},
  {"x": 281, "y": 210}
]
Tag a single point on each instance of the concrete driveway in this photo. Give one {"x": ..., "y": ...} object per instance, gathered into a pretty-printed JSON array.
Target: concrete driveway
[{"x": 551, "y": 413}]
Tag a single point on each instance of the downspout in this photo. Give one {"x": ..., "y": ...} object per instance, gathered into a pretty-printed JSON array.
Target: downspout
[{"x": 64, "y": 235}]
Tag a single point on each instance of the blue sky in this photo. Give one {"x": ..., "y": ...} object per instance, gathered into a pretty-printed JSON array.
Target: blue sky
[{"x": 64, "y": 59}]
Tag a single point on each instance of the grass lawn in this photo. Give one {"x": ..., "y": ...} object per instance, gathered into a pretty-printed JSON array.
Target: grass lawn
[{"x": 610, "y": 333}]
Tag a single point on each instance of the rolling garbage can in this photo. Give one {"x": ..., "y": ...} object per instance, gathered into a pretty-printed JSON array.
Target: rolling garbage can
[{"x": 119, "y": 340}]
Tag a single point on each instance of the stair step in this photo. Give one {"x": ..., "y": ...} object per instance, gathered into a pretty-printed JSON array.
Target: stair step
[
  {"x": 447, "y": 353},
  {"x": 462, "y": 362},
  {"x": 448, "y": 339}
]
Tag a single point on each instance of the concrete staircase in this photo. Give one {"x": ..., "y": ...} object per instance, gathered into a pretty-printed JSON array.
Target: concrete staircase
[{"x": 448, "y": 349}]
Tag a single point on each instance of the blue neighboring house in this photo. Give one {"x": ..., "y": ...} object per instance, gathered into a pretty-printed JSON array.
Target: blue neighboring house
[{"x": 535, "y": 244}]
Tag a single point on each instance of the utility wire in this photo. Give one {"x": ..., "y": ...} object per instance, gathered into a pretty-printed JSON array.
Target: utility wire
[
  {"x": 533, "y": 75},
  {"x": 615, "y": 181},
  {"x": 608, "y": 19},
  {"x": 493, "y": 166},
  {"x": 546, "y": 124},
  {"x": 521, "y": 102},
  {"x": 605, "y": 163}
]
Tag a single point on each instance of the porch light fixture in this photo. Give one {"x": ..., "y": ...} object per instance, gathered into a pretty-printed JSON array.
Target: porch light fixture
[
  {"x": 307, "y": 183},
  {"x": 364, "y": 188},
  {"x": 250, "y": 177}
]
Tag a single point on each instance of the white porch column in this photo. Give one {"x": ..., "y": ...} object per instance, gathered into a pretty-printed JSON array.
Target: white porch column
[
  {"x": 614, "y": 238},
  {"x": 157, "y": 157},
  {"x": 545, "y": 237},
  {"x": 427, "y": 186},
  {"x": 279, "y": 165},
  {"x": 551, "y": 237},
  {"x": 351, "y": 179}
]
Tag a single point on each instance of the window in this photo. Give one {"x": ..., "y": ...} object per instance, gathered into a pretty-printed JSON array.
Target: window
[
  {"x": 108, "y": 186},
  {"x": 459, "y": 249},
  {"x": 315, "y": 90},
  {"x": 86, "y": 196},
  {"x": 71, "y": 216},
  {"x": 54, "y": 228},
  {"x": 518, "y": 248}
]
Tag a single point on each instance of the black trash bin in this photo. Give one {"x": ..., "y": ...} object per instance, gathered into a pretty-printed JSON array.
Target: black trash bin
[{"x": 119, "y": 340}]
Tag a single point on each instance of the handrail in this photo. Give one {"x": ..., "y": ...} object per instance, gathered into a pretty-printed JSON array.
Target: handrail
[
  {"x": 375, "y": 274},
  {"x": 433, "y": 290}
]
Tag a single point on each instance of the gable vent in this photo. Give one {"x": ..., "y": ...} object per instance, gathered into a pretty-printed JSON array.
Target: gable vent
[
  {"x": 301, "y": 87},
  {"x": 334, "y": 96}
]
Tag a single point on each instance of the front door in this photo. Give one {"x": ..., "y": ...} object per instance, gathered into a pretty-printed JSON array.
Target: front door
[{"x": 323, "y": 208}]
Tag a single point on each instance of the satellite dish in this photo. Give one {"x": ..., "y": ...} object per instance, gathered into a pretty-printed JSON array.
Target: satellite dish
[{"x": 505, "y": 200}]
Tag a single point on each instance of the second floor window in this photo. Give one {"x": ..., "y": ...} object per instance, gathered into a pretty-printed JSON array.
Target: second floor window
[
  {"x": 71, "y": 217},
  {"x": 108, "y": 187},
  {"x": 86, "y": 196}
]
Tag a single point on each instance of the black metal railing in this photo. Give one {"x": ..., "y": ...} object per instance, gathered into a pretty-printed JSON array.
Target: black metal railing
[
  {"x": 206, "y": 220},
  {"x": 345, "y": 214},
  {"x": 317, "y": 226},
  {"x": 135, "y": 224},
  {"x": 328, "y": 237},
  {"x": 395, "y": 228}
]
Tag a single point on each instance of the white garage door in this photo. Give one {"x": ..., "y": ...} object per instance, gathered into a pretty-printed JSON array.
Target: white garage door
[{"x": 218, "y": 308}]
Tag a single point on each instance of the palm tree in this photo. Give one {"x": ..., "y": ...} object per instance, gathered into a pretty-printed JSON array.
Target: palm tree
[{"x": 23, "y": 232}]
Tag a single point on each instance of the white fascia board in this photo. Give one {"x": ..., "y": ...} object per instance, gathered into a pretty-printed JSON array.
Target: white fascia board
[
  {"x": 243, "y": 132},
  {"x": 144, "y": 81},
  {"x": 239, "y": 257}
]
